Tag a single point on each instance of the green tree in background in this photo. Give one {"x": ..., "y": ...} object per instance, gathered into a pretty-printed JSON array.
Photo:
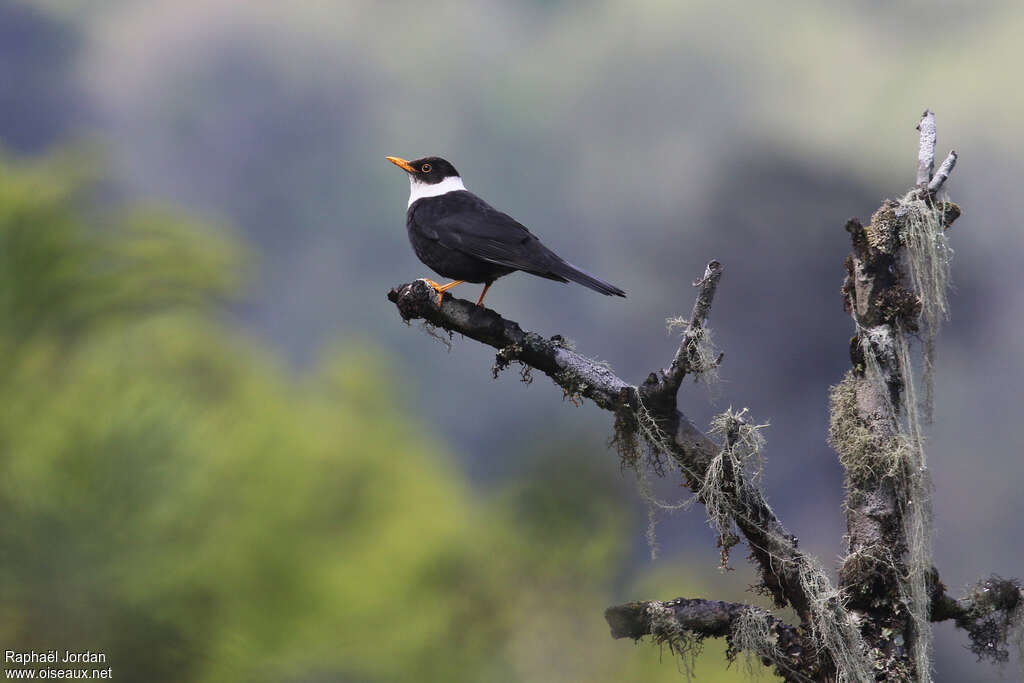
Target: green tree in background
[{"x": 175, "y": 499}]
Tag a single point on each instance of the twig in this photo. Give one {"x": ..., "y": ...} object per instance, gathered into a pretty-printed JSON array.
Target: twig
[
  {"x": 675, "y": 373},
  {"x": 926, "y": 152},
  {"x": 989, "y": 612},
  {"x": 943, "y": 173}
]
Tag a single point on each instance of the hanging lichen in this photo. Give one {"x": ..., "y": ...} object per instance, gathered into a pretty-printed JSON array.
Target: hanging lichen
[
  {"x": 643, "y": 447},
  {"x": 834, "y": 629},
  {"x": 731, "y": 477},
  {"x": 703, "y": 357},
  {"x": 736, "y": 468},
  {"x": 752, "y": 635},
  {"x": 666, "y": 630},
  {"x": 928, "y": 258},
  {"x": 994, "y": 619},
  {"x": 898, "y": 457}
]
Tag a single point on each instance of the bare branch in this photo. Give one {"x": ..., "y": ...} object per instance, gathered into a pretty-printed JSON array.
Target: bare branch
[
  {"x": 943, "y": 173},
  {"x": 701, "y": 308},
  {"x": 926, "y": 152}
]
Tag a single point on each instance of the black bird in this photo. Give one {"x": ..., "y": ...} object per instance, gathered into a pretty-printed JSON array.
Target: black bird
[{"x": 462, "y": 237}]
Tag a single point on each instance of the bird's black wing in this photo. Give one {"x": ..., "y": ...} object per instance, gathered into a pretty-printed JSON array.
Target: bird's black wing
[{"x": 462, "y": 221}]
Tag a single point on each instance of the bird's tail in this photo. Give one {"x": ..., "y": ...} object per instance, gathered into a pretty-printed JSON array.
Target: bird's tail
[{"x": 571, "y": 272}]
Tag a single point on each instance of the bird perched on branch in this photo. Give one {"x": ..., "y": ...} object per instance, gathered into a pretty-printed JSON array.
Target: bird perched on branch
[{"x": 462, "y": 237}]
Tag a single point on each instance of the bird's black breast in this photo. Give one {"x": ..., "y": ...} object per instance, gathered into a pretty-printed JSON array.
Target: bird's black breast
[{"x": 447, "y": 232}]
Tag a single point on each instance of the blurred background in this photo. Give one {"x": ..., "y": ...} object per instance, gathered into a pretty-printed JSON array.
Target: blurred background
[{"x": 223, "y": 457}]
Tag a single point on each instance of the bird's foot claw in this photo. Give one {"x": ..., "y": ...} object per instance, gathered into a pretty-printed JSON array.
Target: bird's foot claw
[
  {"x": 437, "y": 288},
  {"x": 441, "y": 289}
]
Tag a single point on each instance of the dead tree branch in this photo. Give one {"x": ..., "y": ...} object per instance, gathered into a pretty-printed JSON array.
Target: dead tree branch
[
  {"x": 772, "y": 547},
  {"x": 684, "y": 358},
  {"x": 991, "y": 612},
  {"x": 926, "y": 150},
  {"x": 683, "y": 623},
  {"x": 703, "y": 618},
  {"x": 943, "y": 173},
  {"x": 575, "y": 373},
  {"x": 896, "y": 276}
]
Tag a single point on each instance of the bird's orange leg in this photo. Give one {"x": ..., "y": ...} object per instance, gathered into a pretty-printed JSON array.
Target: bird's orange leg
[
  {"x": 484, "y": 293},
  {"x": 441, "y": 289}
]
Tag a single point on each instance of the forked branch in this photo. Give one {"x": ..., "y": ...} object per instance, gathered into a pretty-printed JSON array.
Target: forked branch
[{"x": 772, "y": 547}]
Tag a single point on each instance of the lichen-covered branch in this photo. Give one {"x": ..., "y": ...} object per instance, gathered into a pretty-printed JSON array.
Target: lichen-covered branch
[
  {"x": 660, "y": 618},
  {"x": 578, "y": 375},
  {"x": 772, "y": 547},
  {"x": 688, "y": 345},
  {"x": 684, "y": 623},
  {"x": 896, "y": 280},
  {"x": 991, "y": 612}
]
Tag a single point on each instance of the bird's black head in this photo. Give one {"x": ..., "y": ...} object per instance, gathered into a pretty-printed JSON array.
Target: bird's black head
[{"x": 428, "y": 170}]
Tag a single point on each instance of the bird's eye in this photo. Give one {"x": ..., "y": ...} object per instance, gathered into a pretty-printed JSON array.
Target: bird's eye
[{"x": 426, "y": 168}]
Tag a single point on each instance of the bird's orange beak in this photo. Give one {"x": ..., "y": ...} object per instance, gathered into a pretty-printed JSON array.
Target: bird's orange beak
[{"x": 402, "y": 164}]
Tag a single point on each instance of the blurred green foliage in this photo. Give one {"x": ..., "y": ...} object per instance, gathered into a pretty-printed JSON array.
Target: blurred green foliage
[{"x": 173, "y": 498}]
